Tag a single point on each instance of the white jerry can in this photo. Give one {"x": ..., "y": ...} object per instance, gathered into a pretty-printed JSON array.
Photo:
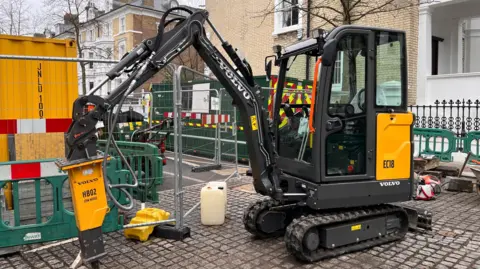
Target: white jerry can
[{"x": 213, "y": 204}]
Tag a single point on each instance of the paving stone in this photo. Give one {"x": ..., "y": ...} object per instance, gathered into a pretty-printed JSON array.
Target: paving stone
[{"x": 454, "y": 243}]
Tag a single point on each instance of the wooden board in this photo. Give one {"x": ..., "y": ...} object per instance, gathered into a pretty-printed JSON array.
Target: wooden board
[
  {"x": 39, "y": 146},
  {"x": 4, "y": 148}
]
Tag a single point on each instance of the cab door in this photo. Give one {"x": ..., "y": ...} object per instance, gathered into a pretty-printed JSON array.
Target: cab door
[{"x": 345, "y": 121}]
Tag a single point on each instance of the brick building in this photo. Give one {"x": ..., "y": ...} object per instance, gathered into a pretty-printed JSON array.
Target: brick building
[
  {"x": 110, "y": 29},
  {"x": 254, "y": 30}
]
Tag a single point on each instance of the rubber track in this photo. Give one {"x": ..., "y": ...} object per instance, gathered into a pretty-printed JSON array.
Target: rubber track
[
  {"x": 299, "y": 227},
  {"x": 250, "y": 217}
]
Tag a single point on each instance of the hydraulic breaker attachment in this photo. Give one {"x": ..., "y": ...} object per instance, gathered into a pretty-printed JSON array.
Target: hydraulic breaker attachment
[{"x": 89, "y": 203}]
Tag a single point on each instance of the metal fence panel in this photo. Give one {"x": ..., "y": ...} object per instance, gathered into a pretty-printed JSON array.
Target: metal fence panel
[{"x": 458, "y": 116}]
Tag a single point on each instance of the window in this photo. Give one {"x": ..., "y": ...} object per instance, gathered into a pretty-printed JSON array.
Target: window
[
  {"x": 90, "y": 56},
  {"x": 99, "y": 32},
  {"x": 187, "y": 99},
  {"x": 338, "y": 73},
  {"x": 91, "y": 85},
  {"x": 287, "y": 16},
  {"x": 106, "y": 29},
  {"x": 389, "y": 69},
  {"x": 435, "y": 46},
  {"x": 121, "y": 49},
  {"x": 90, "y": 35},
  {"x": 122, "y": 24},
  {"x": 293, "y": 122},
  {"x": 346, "y": 142},
  {"x": 349, "y": 75},
  {"x": 108, "y": 52}
]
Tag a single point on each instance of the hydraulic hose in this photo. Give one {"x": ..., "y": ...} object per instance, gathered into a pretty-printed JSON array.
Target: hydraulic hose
[
  {"x": 111, "y": 139},
  {"x": 112, "y": 123},
  {"x": 162, "y": 25}
]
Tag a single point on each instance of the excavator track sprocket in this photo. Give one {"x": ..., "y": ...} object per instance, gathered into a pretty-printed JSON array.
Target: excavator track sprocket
[
  {"x": 252, "y": 214},
  {"x": 299, "y": 229},
  {"x": 269, "y": 218}
]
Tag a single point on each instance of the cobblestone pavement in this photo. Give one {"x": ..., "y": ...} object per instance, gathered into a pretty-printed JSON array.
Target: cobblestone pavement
[{"x": 454, "y": 243}]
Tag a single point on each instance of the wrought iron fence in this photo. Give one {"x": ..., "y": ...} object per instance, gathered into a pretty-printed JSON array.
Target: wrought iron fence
[{"x": 458, "y": 116}]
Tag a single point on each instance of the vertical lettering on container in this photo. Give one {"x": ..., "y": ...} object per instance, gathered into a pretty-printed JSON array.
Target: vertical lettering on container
[{"x": 40, "y": 91}]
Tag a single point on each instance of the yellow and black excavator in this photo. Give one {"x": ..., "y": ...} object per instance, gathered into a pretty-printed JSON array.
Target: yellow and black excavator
[{"x": 332, "y": 181}]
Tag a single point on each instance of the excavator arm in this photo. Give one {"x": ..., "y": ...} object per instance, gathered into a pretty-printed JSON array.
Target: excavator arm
[
  {"x": 154, "y": 54},
  {"x": 88, "y": 177}
]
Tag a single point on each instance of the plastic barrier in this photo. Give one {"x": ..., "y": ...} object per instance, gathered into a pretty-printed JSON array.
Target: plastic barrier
[
  {"x": 42, "y": 207},
  {"x": 438, "y": 142},
  {"x": 472, "y": 144},
  {"x": 145, "y": 160}
]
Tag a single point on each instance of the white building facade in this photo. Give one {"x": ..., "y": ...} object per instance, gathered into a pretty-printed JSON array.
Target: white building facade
[{"x": 448, "y": 51}]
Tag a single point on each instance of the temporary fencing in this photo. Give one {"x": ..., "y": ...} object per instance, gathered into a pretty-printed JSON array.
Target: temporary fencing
[
  {"x": 207, "y": 123},
  {"x": 37, "y": 205},
  {"x": 37, "y": 95}
]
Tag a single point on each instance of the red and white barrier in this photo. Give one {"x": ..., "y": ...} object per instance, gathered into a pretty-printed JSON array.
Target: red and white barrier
[
  {"x": 212, "y": 119},
  {"x": 32, "y": 170},
  {"x": 194, "y": 116},
  {"x": 32, "y": 126}
]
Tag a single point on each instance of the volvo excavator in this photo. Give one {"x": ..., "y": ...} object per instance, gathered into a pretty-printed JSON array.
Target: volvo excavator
[{"x": 331, "y": 184}]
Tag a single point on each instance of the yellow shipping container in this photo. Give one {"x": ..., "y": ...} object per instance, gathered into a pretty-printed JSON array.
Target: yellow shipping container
[
  {"x": 36, "y": 96},
  {"x": 31, "y": 89}
]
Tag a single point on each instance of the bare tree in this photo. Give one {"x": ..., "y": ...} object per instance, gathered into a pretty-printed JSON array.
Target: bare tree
[
  {"x": 191, "y": 59},
  {"x": 14, "y": 17},
  {"x": 341, "y": 12},
  {"x": 70, "y": 12}
]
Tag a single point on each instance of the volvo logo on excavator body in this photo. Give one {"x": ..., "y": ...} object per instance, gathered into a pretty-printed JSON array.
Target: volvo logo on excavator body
[
  {"x": 240, "y": 87},
  {"x": 390, "y": 183}
]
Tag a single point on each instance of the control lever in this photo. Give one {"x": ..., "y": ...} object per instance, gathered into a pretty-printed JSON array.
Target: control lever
[{"x": 334, "y": 124}]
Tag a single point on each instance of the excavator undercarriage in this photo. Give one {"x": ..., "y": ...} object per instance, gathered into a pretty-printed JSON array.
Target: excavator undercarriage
[{"x": 312, "y": 235}]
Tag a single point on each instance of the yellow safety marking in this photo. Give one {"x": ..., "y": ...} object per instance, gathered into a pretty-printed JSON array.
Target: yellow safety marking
[
  {"x": 253, "y": 120},
  {"x": 214, "y": 126},
  {"x": 131, "y": 126},
  {"x": 199, "y": 125},
  {"x": 340, "y": 147},
  {"x": 190, "y": 124},
  {"x": 307, "y": 99},
  {"x": 352, "y": 162},
  {"x": 356, "y": 227}
]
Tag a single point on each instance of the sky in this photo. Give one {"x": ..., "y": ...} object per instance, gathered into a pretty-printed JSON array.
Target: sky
[
  {"x": 37, "y": 7},
  {"x": 35, "y": 3}
]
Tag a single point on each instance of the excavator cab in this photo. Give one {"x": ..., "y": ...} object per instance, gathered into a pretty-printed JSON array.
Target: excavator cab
[
  {"x": 346, "y": 154},
  {"x": 359, "y": 130}
]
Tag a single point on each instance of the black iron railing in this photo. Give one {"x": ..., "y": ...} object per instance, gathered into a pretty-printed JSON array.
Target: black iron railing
[{"x": 458, "y": 116}]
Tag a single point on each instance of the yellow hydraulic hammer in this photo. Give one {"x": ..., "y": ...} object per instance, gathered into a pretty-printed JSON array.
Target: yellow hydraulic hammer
[{"x": 89, "y": 203}]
